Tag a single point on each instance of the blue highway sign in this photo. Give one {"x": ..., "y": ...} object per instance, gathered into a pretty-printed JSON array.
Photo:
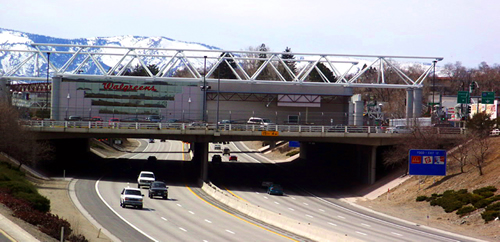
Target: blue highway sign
[{"x": 427, "y": 162}]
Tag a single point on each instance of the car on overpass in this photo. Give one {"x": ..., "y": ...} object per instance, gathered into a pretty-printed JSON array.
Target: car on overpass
[
  {"x": 259, "y": 121},
  {"x": 131, "y": 197}
]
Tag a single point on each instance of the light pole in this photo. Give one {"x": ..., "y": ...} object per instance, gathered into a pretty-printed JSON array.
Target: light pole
[
  {"x": 47, "y": 84},
  {"x": 67, "y": 106},
  {"x": 433, "y": 87},
  {"x": 204, "y": 88},
  {"x": 189, "y": 107},
  {"x": 218, "y": 94}
]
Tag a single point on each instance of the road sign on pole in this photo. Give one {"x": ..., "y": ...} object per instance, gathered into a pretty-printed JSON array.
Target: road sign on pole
[
  {"x": 463, "y": 97},
  {"x": 487, "y": 97},
  {"x": 427, "y": 162}
]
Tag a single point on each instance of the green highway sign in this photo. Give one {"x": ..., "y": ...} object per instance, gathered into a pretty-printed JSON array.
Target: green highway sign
[
  {"x": 488, "y": 97},
  {"x": 463, "y": 97}
]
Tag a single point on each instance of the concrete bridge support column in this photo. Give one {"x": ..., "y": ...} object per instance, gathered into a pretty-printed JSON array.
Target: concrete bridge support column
[
  {"x": 372, "y": 173},
  {"x": 358, "y": 113},
  {"x": 55, "y": 99},
  {"x": 350, "y": 114},
  {"x": 409, "y": 105},
  {"x": 200, "y": 157},
  {"x": 417, "y": 103}
]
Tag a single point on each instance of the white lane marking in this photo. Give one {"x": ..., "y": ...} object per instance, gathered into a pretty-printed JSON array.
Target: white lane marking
[
  {"x": 179, "y": 205},
  {"x": 310, "y": 216},
  {"x": 257, "y": 192},
  {"x": 306, "y": 204},
  {"x": 360, "y": 233},
  {"x": 321, "y": 210},
  {"x": 291, "y": 209},
  {"x": 266, "y": 198},
  {"x": 183, "y": 229},
  {"x": 277, "y": 202},
  {"x": 164, "y": 218},
  {"x": 191, "y": 212},
  {"x": 367, "y": 225},
  {"x": 229, "y": 231},
  {"x": 208, "y": 221},
  {"x": 205, "y": 240},
  {"x": 332, "y": 224},
  {"x": 396, "y": 234},
  {"x": 341, "y": 217},
  {"x": 292, "y": 198}
]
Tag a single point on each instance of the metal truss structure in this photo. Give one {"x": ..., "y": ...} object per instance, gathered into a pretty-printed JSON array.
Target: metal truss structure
[{"x": 112, "y": 62}]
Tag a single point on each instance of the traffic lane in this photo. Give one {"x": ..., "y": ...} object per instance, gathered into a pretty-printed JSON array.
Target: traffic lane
[
  {"x": 184, "y": 216},
  {"x": 89, "y": 199}
]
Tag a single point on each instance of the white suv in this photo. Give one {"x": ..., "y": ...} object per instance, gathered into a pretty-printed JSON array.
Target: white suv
[
  {"x": 145, "y": 178},
  {"x": 259, "y": 121},
  {"x": 131, "y": 197}
]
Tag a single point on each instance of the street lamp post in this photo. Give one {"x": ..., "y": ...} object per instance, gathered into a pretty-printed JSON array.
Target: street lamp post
[
  {"x": 433, "y": 88},
  {"x": 47, "y": 84},
  {"x": 204, "y": 89},
  {"x": 218, "y": 94}
]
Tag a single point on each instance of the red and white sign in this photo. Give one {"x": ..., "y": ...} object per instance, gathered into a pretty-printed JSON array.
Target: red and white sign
[{"x": 427, "y": 160}]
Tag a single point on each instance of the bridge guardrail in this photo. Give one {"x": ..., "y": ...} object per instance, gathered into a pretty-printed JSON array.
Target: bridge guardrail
[{"x": 226, "y": 127}]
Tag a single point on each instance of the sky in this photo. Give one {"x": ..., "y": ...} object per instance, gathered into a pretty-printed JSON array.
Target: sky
[{"x": 458, "y": 30}]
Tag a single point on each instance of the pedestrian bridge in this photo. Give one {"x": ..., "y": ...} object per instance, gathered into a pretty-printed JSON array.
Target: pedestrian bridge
[{"x": 206, "y": 132}]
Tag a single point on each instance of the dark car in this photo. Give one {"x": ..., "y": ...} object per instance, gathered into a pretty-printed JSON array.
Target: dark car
[
  {"x": 226, "y": 151},
  {"x": 74, "y": 118},
  {"x": 216, "y": 159},
  {"x": 275, "y": 189},
  {"x": 158, "y": 189},
  {"x": 154, "y": 118}
]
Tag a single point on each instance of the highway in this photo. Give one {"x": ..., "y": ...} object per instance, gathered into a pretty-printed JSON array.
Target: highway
[
  {"x": 301, "y": 203},
  {"x": 185, "y": 216}
]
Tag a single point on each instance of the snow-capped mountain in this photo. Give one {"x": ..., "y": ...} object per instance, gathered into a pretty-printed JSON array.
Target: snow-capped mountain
[{"x": 17, "y": 40}]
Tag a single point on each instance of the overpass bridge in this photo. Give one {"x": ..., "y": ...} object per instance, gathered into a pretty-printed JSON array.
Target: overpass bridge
[{"x": 361, "y": 142}]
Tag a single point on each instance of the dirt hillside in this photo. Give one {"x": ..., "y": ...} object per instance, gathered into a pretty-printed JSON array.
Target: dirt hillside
[{"x": 400, "y": 201}]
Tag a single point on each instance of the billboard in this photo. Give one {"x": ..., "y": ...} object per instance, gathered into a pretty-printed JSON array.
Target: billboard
[{"x": 427, "y": 162}]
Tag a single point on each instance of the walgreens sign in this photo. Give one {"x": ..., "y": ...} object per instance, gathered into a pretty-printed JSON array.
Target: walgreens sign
[{"x": 124, "y": 87}]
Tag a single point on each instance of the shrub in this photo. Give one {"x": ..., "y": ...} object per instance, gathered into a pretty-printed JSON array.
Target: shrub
[
  {"x": 490, "y": 215},
  {"x": 77, "y": 238},
  {"x": 485, "y": 191},
  {"x": 495, "y": 206},
  {"x": 421, "y": 198},
  {"x": 483, "y": 203},
  {"x": 38, "y": 202},
  {"x": 465, "y": 210}
]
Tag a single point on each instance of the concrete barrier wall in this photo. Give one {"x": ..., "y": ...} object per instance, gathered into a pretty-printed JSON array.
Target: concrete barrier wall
[{"x": 276, "y": 219}]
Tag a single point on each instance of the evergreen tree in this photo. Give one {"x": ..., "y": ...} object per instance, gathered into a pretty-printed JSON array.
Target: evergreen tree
[
  {"x": 138, "y": 70},
  {"x": 314, "y": 76},
  {"x": 265, "y": 74},
  {"x": 223, "y": 71},
  {"x": 290, "y": 64}
]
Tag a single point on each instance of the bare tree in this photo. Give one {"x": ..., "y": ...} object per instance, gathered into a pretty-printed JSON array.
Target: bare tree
[
  {"x": 480, "y": 148},
  {"x": 17, "y": 142},
  {"x": 461, "y": 152}
]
